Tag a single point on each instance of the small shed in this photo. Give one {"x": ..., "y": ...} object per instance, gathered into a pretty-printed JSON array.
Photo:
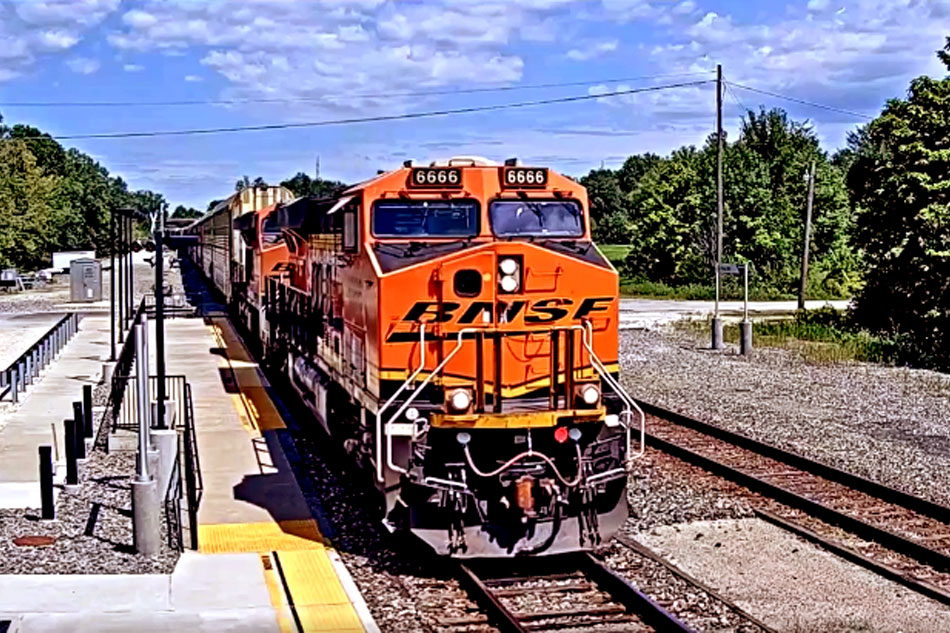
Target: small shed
[{"x": 85, "y": 280}]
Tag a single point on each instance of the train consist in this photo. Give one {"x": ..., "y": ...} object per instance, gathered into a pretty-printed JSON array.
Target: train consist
[{"x": 455, "y": 329}]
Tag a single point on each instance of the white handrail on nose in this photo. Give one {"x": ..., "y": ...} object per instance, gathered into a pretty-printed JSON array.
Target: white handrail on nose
[
  {"x": 587, "y": 337},
  {"x": 405, "y": 405},
  {"x": 402, "y": 387}
]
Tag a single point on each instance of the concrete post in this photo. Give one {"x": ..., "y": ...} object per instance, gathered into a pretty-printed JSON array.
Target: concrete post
[
  {"x": 745, "y": 337},
  {"x": 14, "y": 385},
  {"x": 165, "y": 442},
  {"x": 717, "y": 340},
  {"x": 27, "y": 371},
  {"x": 146, "y": 521},
  {"x": 108, "y": 370}
]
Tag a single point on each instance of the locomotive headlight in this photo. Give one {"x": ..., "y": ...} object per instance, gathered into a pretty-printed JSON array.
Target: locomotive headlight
[
  {"x": 509, "y": 275},
  {"x": 459, "y": 400},
  {"x": 590, "y": 394},
  {"x": 509, "y": 283},
  {"x": 412, "y": 414},
  {"x": 508, "y": 266}
]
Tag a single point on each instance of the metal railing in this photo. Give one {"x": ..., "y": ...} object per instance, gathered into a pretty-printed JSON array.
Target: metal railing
[
  {"x": 176, "y": 304},
  {"x": 187, "y": 471},
  {"x": 22, "y": 372},
  {"x": 125, "y": 414}
]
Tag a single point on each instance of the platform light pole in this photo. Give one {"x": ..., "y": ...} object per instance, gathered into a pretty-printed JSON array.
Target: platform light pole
[
  {"x": 160, "y": 319},
  {"x": 717, "y": 321},
  {"x": 130, "y": 277},
  {"x": 112, "y": 284}
]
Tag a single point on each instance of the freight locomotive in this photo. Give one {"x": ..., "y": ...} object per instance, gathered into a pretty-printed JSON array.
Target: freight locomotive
[{"x": 454, "y": 327}]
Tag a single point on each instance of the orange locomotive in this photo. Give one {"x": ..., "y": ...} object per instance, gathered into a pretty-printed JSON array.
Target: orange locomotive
[{"x": 455, "y": 327}]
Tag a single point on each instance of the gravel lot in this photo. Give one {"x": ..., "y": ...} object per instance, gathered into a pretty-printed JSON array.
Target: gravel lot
[
  {"x": 93, "y": 526},
  {"x": 888, "y": 424}
]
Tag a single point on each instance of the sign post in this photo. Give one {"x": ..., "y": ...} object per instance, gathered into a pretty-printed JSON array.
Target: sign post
[{"x": 745, "y": 326}]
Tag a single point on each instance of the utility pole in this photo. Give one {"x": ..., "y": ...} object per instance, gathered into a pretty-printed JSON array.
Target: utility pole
[
  {"x": 808, "y": 210},
  {"x": 717, "y": 321}
]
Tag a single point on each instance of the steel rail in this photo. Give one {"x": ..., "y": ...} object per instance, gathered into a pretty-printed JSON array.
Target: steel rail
[
  {"x": 646, "y": 552},
  {"x": 593, "y": 571},
  {"x": 884, "y": 536},
  {"x": 868, "y": 486}
]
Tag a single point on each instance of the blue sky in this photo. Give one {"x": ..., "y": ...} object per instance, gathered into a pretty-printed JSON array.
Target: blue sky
[{"x": 353, "y": 58}]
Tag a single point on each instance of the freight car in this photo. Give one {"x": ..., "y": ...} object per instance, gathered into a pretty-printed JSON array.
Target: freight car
[{"x": 454, "y": 327}]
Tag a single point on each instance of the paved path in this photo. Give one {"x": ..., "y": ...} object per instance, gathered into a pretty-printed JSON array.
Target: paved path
[
  {"x": 645, "y": 313},
  {"x": 48, "y": 402},
  {"x": 19, "y": 331}
]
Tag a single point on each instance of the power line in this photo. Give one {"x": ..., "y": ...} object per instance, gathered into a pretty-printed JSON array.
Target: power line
[
  {"x": 803, "y": 102},
  {"x": 332, "y": 97},
  {"x": 370, "y": 119},
  {"x": 735, "y": 97}
]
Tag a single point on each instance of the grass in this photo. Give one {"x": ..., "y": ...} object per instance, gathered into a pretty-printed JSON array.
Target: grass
[
  {"x": 731, "y": 291},
  {"x": 616, "y": 253},
  {"x": 820, "y": 336}
]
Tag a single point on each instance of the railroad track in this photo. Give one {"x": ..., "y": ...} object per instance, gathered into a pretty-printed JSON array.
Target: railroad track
[
  {"x": 907, "y": 539},
  {"x": 572, "y": 592}
]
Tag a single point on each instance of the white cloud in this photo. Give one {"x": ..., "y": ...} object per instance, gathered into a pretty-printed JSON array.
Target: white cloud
[
  {"x": 32, "y": 30},
  {"x": 133, "y": 68},
  {"x": 193, "y": 78},
  {"x": 852, "y": 54},
  {"x": 592, "y": 50},
  {"x": 83, "y": 65},
  {"x": 342, "y": 48}
]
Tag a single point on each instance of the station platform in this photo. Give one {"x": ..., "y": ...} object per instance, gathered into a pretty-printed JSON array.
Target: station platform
[
  {"x": 251, "y": 504},
  {"x": 262, "y": 563},
  {"x": 38, "y": 418}
]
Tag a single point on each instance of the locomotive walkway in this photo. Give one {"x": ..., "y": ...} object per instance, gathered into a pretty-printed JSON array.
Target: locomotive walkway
[{"x": 48, "y": 401}]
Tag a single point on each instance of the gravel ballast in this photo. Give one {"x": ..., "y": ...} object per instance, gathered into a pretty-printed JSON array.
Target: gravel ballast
[{"x": 888, "y": 424}]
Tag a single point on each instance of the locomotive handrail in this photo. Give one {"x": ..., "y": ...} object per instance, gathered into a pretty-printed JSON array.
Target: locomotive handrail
[
  {"x": 586, "y": 338},
  {"x": 389, "y": 438},
  {"x": 386, "y": 405}
]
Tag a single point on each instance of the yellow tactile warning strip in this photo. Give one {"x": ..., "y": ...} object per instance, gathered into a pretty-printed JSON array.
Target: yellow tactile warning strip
[
  {"x": 300, "y": 578},
  {"x": 233, "y": 538},
  {"x": 251, "y": 401},
  {"x": 302, "y": 583},
  {"x": 275, "y": 589}
]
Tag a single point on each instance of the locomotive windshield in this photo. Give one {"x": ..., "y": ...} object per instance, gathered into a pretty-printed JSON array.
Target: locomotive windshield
[
  {"x": 425, "y": 218},
  {"x": 542, "y": 218}
]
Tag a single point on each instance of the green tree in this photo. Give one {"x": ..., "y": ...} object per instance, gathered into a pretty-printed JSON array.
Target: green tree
[
  {"x": 303, "y": 185},
  {"x": 181, "y": 211},
  {"x": 900, "y": 181},
  {"x": 25, "y": 196},
  {"x": 607, "y": 212}
]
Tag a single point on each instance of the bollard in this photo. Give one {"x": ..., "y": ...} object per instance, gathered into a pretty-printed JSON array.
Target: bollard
[
  {"x": 72, "y": 473},
  {"x": 14, "y": 380},
  {"x": 717, "y": 340},
  {"x": 48, "y": 511},
  {"x": 745, "y": 337},
  {"x": 27, "y": 371},
  {"x": 80, "y": 431},
  {"x": 87, "y": 409},
  {"x": 165, "y": 442},
  {"x": 36, "y": 362},
  {"x": 146, "y": 519}
]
